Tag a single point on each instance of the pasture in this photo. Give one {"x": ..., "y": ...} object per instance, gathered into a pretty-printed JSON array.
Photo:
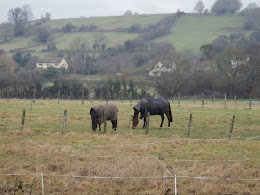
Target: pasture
[
  {"x": 191, "y": 32},
  {"x": 40, "y": 158}
]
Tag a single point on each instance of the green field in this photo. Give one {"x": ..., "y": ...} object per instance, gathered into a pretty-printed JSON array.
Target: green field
[
  {"x": 129, "y": 162},
  {"x": 191, "y": 32}
]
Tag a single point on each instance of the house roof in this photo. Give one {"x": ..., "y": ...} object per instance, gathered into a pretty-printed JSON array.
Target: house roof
[{"x": 50, "y": 60}]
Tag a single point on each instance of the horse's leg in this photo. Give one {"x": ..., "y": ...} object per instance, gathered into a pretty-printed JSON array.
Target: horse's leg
[
  {"x": 114, "y": 125},
  {"x": 162, "y": 116},
  {"x": 168, "y": 116},
  {"x": 144, "y": 122},
  {"x": 99, "y": 126}
]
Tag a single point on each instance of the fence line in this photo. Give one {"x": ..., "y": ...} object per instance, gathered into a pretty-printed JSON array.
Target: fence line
[{"x": 132, "y": 177}]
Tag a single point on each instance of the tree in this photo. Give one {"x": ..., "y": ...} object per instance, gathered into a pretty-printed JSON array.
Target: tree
[
  {"x": 221, "y": 43},
  {"x": 79, "y": 59},
  {"x": 172, "y": 82},
  {"x": 99, "y": 40},
  {"x": 250, "y": 7},
  {"x": 251, "y": 69},
  {"x": 207, "y": 51},
  {"x": 43, "y": 34},
  {"x": 221, "y": 7},
  {"x": 128, "y": 13},
  {"x": 229, "y": 63},
  {"x": 7, "y": 64},
  {"x": 199, "y": 7},
  {"x": 68, "y": 28},
  {"x": 20, "y": 17},
  {"x": 22, "y": 58}
]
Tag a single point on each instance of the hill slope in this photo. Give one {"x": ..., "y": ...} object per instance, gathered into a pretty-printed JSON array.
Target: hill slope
[
  {"x": 191, "y": 32},
  {"x": 188, "y": 33}
]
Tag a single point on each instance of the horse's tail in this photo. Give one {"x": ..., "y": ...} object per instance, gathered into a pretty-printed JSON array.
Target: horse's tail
[{"x": 170, "y": 113}]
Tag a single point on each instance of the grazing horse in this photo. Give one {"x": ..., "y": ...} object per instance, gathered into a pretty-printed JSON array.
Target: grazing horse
[
  {"x": 155, "y": 107},
  {"x": 101, "y": 113}
]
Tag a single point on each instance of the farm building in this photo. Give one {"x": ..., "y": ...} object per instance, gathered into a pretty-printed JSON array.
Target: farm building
[
  {"x": 54, "y": 63},
  {"x": 158, "y": 69}
]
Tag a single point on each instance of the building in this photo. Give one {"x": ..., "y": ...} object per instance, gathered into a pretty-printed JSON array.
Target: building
[
  {"x": 158, "y": 69},
  {"x": 54, "y": 63}
]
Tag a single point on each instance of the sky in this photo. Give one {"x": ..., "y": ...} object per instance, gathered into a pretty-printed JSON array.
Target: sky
[{"x": 78, "y": 8}]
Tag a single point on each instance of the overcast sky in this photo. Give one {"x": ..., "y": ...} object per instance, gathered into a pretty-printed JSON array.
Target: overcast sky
[{"x": 77, "y": 8}]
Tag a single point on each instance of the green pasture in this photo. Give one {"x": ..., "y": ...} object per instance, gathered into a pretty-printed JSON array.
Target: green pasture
[
  {"x": 233, "y": 164},
  {"x": 191, "y": 32},
  {"x": 209, "y": 122},
  {"x": 108, "y": 22}
]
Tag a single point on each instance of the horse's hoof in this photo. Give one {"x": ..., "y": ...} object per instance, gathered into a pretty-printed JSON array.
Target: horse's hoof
[
  {"x": 94, "y": 132},
  {"x": 160, "y": 127},
  {"x": 168, "y": 127}
]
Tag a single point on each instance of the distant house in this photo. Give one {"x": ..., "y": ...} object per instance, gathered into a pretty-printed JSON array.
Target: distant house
[
  {"x": 158, "y": 69},
  {"x": 54, "y": 63}
]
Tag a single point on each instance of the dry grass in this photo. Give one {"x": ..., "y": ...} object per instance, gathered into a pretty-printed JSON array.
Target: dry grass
[{"x": 70, "y": 162}]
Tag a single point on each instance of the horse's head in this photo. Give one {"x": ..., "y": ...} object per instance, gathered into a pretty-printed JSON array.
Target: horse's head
[
  {"x": 135, "y": 119},
  {"x": 93, "y": 119}
]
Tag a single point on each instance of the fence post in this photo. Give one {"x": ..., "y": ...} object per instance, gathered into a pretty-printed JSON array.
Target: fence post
[
  {"x": 42, "y": 183},
  {"x": 131, "y": 98},
  {"x": 58, "y": 96},
  {"x": 202, "y": 100},
  {"x": 175, "y": 185},
  {"x": 34, "y": 93},
  {"x": 31, "y": 106},
  {"x": 189, "y": 127},
  {"x": 147, "y": 123},
  {"x": 82, "y": 96},
  {"x": 235, "y": 100},
  {"x": 179, "y": 99},
  {"x": 232, "y": 125},
  {"x": 225, "y": 100},
  {"x": 250, "y": 102},
  {"x": 7, "y": 93},
  {"x": 64, "y": 122},
  {"x": 23, "y": 119}
]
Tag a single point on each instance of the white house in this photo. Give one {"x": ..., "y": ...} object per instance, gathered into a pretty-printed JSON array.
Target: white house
[
  {"x": 158, "y": 69},
  {"x": 55, "y": 63}
]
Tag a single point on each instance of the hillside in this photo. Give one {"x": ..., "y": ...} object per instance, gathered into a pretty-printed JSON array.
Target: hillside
[{"x": 189, "y": 32}]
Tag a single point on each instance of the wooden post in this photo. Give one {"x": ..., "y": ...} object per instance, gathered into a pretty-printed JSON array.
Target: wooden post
[
  {"x": 23, "y": 119},
  {"x": 225, "y": 100},
  {"x": 42, "y": 183},
  {"x": 31, "y": 106},
  {"x": 202, "y": 100},
  {"x": 58, "y": 96},
  {"x": 179, "y": 99},
  {"x": 82, "y": 96},
  {"x": 232, "y": 125},
  {"x": 235, "y": 99},
  {"x": 189, "y": 127},
  {"x": 250, "y": 102},
  {"x": 131, "y": 98},
  {"x": 34, "y": 93},
  {"x": 147, "y": 123},
  {"x": 175, "y": 185},
  {"x": 7, "y": 94},
  {"x": 70, "y": 95},
  {"x": 64, "y": 122}
]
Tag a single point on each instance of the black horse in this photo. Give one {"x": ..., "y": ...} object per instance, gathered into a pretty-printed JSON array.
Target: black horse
[
  {"x": 155, "y": 107},
  {"x": 101, "y": 113}
]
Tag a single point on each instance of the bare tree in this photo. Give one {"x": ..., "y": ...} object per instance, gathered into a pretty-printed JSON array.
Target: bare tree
[
  {"x": 199, "y": 7},
  {"x": 20, "y": 17}
]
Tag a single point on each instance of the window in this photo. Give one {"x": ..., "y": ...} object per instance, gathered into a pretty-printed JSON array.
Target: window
[{"x": 40, "y": 64}]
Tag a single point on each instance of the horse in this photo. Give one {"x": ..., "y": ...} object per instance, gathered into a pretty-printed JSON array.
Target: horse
[
  {"x": 101, "y": 113},
  {"x": 155, "y": 107}
]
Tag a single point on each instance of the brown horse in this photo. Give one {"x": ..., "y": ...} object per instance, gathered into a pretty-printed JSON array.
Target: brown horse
[
  {"x": 155, "y": 107},
  {"x": 101, "y": 113}
]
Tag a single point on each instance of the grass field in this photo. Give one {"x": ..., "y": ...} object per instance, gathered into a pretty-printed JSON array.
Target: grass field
[
  {"x": 191, "y": 32},
  {"x": 129, "y": 162}
]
